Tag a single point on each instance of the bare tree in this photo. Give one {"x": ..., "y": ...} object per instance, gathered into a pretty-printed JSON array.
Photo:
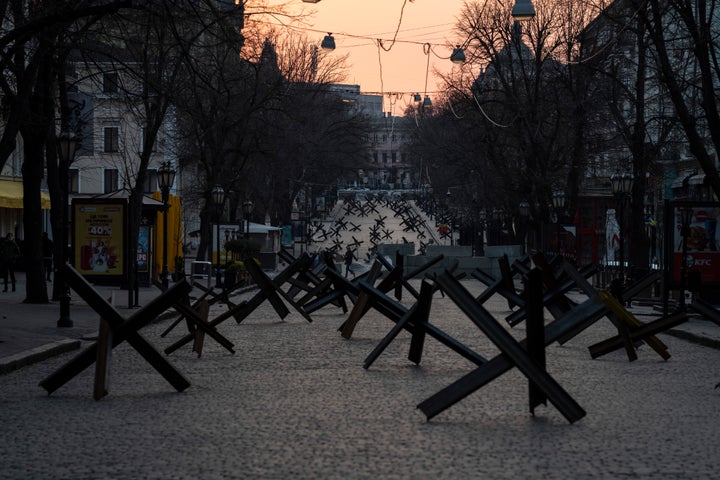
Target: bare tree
[
  {"x": 267, "y": 126},
  {"x": 692, "y": 28},
  {"x": 33, "y": 42},
  {"x": 517, "y": 92},
  {"x": 164, "y": 44}
]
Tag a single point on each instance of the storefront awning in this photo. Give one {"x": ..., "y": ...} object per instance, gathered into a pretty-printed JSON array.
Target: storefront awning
[{"x": 11, "y": 195}]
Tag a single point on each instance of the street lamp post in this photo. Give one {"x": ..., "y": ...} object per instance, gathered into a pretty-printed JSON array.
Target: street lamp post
[
  {"x": 559, "y": 200},
  {"x": 497, "y": 216},
  {"x": 482, "y": 218},
  {"x": 67, "y": 145},
  {"x": 621, "y": 185},
  {"x": 524, "y": 209},
  {"x": 166, "y": 178},
  {"x": 450, "y": 217},
  {"x": 686, "y": 214},
  {"x": 247, "y": 211},
  {"x": 218, "y": 195}
]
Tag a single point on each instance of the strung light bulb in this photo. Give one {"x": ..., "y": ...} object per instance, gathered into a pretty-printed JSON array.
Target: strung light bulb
[
  {"x": 328, "y": 42},
  {"x": 427, "y": 103},
  {"x": 417, "y": 97},
  {"x": 458, "y": 56},
  {"x": 310, "y": 1},
  {"x": 523, "y": 10}
]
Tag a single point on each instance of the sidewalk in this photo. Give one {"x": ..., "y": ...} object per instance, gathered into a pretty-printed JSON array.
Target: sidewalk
[{"x": 29, "y": 332}]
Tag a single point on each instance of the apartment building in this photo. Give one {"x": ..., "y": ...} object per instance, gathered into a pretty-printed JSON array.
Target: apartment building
[{"x": 389, "y": 163}]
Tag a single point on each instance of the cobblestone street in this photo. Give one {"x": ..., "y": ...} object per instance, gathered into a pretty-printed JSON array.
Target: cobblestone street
[{"x": 295, "y": 402}]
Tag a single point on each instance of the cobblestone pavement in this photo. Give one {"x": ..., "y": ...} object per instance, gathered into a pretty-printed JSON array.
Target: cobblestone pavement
[{"x": 295, "y": 402}]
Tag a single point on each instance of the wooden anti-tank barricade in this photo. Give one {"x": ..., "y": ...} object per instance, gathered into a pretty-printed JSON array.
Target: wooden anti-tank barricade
[
  {"x": 706, "y": 309},
  {"x": 269, "y": 290},
  {"x": 416, "y": 321},
  {"x": 636, "y": 331},
  {"x": 114, "y": 330},
  {"x": 339, "y": 287},
  {"x": 629, "y": 328},
  {"x": 554, "y": 297},
  {"x": 314, "y": 284},
  {"x": 394, "y": 280},
  {"x": 222, "y": 297},
  {"x": 525, "y": 355},
  {"x": 504, "y": 285},
  {"x": 200, "y": 326}
]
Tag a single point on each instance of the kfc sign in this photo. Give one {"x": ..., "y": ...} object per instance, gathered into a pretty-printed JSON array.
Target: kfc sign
[{"x": 701, "y": 243}]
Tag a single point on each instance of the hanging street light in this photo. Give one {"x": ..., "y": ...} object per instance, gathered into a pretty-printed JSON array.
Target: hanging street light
[
  {"x": 166, "y": 178},
  {"x": 523, "y": 10},
  {"x": 328, "y": 43},
  {"x": 458, "y": 56},
  {"x": 427, "y": 103}
]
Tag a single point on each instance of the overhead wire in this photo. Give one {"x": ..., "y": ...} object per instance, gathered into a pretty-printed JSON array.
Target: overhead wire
[
  {"x": 380, "y": 43},
  {"x": 371, "y": 38},
  {"x": 427, "y": 47},
  {"x": 488, "y": 117},
  {"x": 402, "y": 10}
]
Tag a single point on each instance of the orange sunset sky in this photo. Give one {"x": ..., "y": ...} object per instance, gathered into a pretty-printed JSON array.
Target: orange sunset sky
[{"x": 404, "y": 66}]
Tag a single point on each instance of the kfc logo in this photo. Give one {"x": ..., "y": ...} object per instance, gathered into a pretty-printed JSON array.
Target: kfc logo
[{"x": 703, "y": 262}]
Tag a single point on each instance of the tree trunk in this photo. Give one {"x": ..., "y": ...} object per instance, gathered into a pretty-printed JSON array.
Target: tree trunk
[
  {"x": 35, "y": 133},
  {"x": 35, "y": 287},
  {"x": 639, "y": 243}
]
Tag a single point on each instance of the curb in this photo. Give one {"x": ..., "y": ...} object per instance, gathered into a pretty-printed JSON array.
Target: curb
[
  {"x": 28, "y": 357},
  {"x": 692, "y": 338}
]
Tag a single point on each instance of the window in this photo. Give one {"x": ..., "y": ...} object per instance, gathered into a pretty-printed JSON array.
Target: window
[
  {"x": 111, "y": 136},
  {"x": 384, "y": 157},
  {"x": 375, "y": 157},
  {"x": 142, "y": 142},
  {"x": 73, "y": 180},
  {"x": 394, "y": 157},
  {"x": 384, "y": 137},
  {"x": 110, "y": 180},
  {"x": 110, "y": 83},
  {"x": 151, "y": 184}
]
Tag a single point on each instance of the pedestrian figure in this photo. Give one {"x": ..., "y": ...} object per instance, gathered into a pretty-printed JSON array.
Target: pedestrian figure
[
  {"x": 47, "y": 249},
  {"x": 349, "y": 257},
  {"x": 9, "y": 251}
]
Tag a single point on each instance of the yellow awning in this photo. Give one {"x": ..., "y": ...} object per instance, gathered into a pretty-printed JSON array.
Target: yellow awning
[{"x": 11, "y": 195}]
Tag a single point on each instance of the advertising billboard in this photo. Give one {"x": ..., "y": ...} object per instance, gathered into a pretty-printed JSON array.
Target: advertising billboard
[
  {"x": 702, "y": 253},
  {"x": 99, "y": 237}
]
